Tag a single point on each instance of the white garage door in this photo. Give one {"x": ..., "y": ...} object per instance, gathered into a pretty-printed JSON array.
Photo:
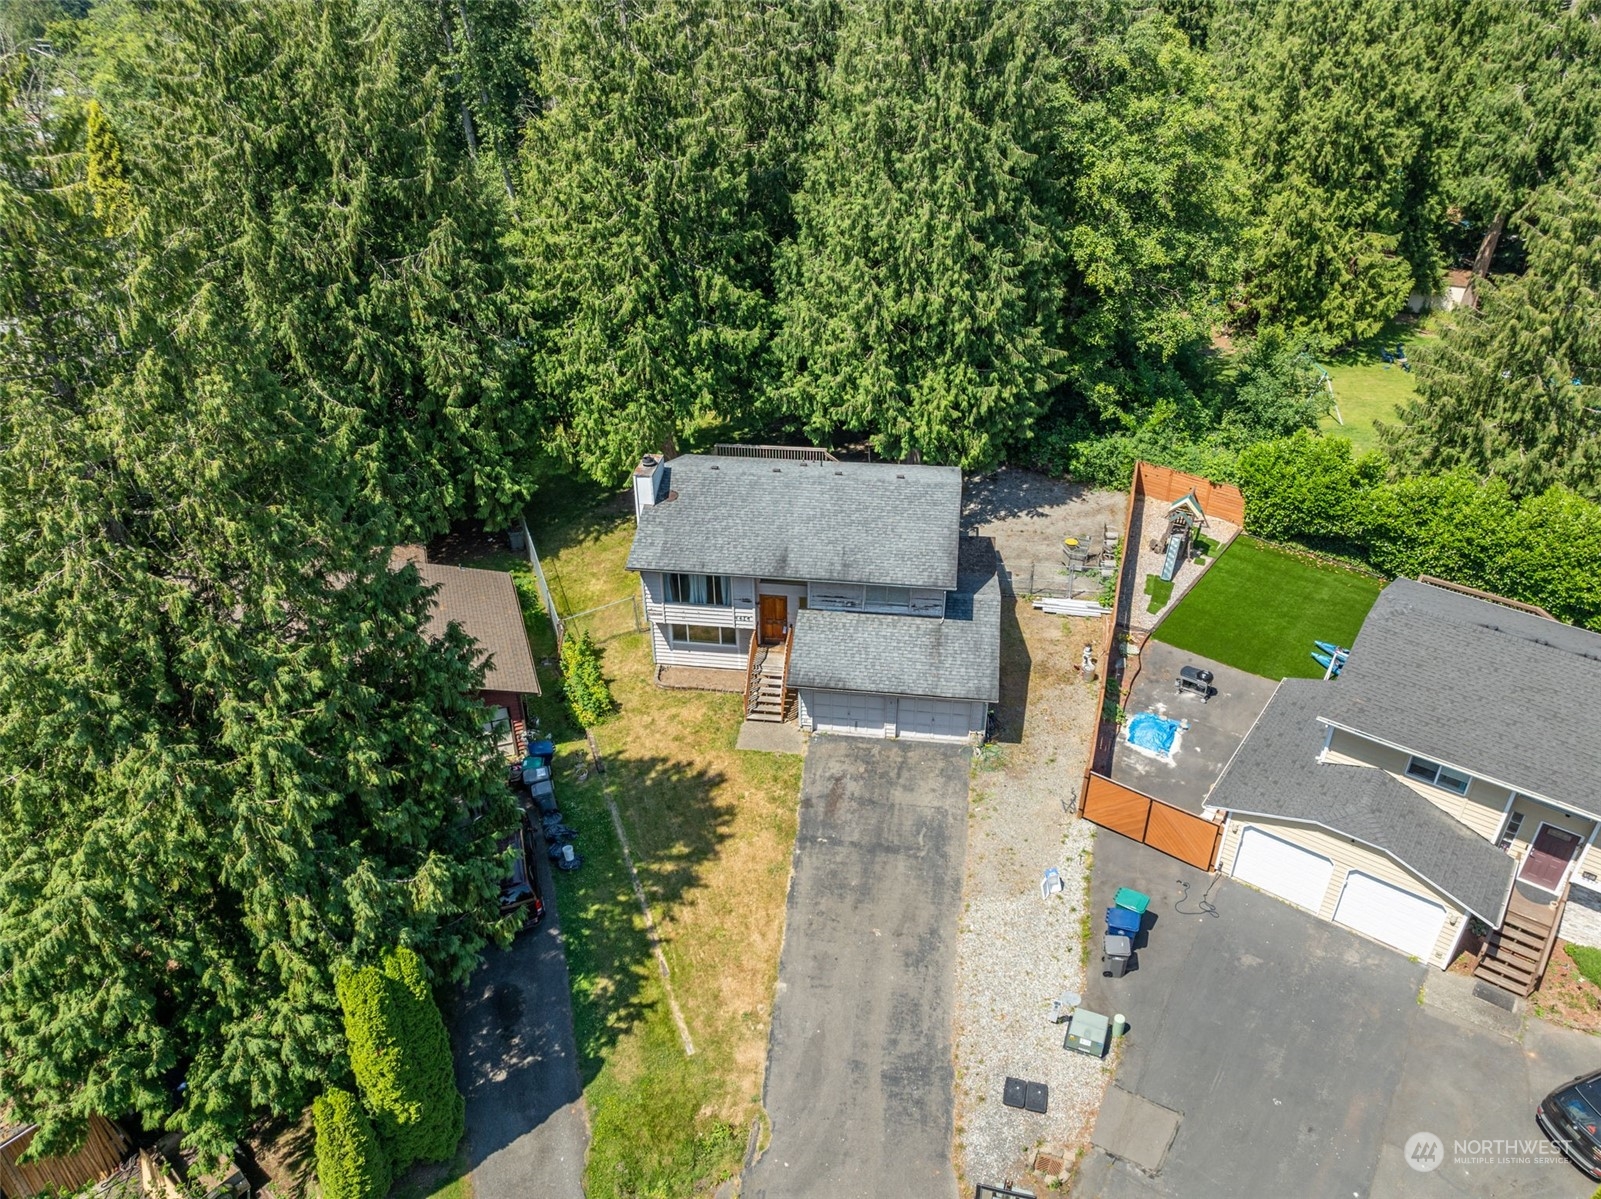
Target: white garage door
[
  {"x": 1401, "y": 919},
  {"x": 846, "y": 712},
  {"x": 1282, "y": 869},
  {"x": 935, "y": 719}
]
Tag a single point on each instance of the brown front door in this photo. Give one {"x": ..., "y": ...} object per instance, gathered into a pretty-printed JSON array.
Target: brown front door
[
  {"x": 1549, "y": 856},
  {"x": 775, "y": 615}
]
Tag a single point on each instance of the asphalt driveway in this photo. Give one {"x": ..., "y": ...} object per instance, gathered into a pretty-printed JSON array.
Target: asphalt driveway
[
  {"x": 527, "y": 1133},
  {"x": 859, "y": 1077},
  {"x": 1276, "y": 1054}
]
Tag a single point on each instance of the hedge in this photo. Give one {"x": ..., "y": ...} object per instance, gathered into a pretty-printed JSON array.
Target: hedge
[
  {"x": 350, "y": 1162},
  {"x": 588, "y": 697},
  {"x": 400, "y": 1054},
  {"x": 1545, "y": 550}
]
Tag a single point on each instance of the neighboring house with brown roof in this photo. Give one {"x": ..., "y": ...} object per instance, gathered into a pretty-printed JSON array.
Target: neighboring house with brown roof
[{"x": 484, "y": 604}]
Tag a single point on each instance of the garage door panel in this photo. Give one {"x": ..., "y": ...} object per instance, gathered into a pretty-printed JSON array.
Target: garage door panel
[
  {"x": 1399, "y": 918},
  {"x": 1281, "y": 868},
  {"x": 934, "y": 719},
  {"x": 846, "y": 712}
]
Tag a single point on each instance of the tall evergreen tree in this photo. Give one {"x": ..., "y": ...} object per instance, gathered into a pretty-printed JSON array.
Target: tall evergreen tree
[
  {"x": 1513, "y": 391},
  {"x": 653, "y": 185},
  {"x": 1330, "y": 103},
  {"x": 919, "y": 297},
  {"x": 230, "y": 755},
  {"x": 1149, "y": 198},
  {"x": 314, "y": 152}
]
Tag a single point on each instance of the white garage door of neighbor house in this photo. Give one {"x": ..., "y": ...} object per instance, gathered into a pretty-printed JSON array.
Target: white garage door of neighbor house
[
  {"x": 1401, "y": 919},
  {"x": 934, "y": 719},
  {"x": 1282, "y": 869},
  {"x": 846, "y": 712}
]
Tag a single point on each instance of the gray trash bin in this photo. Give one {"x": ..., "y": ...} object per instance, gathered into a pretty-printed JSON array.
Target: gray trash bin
[{"x": 1115, "y": 954}]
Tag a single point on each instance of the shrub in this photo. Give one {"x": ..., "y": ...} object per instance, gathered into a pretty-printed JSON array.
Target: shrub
[
  {"x": 588, "y": 697},
  {"x": 1587, "y": 961},
  {"x": 400, "y": 1054},
  {"x": 350, "y": 1162}
]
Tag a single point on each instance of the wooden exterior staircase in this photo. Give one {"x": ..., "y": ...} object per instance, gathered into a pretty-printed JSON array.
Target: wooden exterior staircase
[
  {"x": 1515, "y": 955},
  {"x": 767, "y": 694}
]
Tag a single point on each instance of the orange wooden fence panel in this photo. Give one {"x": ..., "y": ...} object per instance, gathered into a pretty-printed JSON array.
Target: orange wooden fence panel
[
  {"x": 1116, "y": 807},
  {"x": 1182, "y": 835}
]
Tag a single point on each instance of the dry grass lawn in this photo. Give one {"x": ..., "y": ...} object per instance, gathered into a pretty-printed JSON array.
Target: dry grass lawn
[{"x": 711, "y": 829}]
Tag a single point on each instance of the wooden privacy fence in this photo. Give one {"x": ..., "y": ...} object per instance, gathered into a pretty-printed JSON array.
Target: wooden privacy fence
[
  {"x": 1177, "y": 833},
  {"x": 102, "y": 1151},
  {"x": 1221, "y": 500}
]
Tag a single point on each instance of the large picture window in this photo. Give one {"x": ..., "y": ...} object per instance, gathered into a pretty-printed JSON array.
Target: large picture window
[
  {"x": 1440, "y": 776},
  {"x": 701, "y": 634},
  {"x": 708, "y": 590}
]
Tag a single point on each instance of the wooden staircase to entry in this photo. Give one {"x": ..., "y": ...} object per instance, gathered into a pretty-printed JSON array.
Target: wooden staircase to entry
[
  {"x": 1515, "y": 955},
  {"x": 767, "y": 681}
]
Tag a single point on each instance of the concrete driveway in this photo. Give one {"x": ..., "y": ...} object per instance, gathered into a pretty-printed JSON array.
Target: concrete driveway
[
  {"x": 527, "y": 1133},
  {"x": 1271, "y": 1054},
  {"x": 859, "y": 1078}
]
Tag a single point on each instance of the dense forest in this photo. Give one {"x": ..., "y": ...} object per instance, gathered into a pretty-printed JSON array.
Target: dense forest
[{"x": 285, "y": 284}]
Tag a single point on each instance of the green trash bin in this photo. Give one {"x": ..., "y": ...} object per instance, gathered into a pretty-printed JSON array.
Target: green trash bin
[{"x": 1132, "y": 900}]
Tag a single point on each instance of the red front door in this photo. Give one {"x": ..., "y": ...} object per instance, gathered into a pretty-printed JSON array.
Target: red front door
[{"x": 1548, "y": 857}]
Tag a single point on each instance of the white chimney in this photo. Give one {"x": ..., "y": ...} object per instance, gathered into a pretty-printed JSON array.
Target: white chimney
[{"x": 650, "y": 481}]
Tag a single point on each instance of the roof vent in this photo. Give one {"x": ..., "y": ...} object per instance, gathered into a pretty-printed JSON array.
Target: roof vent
[
  {"x": 777, "y": 470},
  {"x": 840, "y": 473},
  {"x": 714, "y": 466},
  {"x": 900, "y": 476}
]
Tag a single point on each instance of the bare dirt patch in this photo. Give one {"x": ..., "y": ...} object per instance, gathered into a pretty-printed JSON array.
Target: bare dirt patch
[
  {"x": 1565, "y": 996},
  {"x": 1029, "y": 514}
]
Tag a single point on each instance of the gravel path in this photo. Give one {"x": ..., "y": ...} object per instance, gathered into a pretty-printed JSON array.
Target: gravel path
[{"x": 1016, "y": 951}]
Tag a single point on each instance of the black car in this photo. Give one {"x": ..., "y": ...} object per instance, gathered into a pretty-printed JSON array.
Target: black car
[
  {"x": 1571, "y": 1116},
  {"x": 519, "y": 891}
]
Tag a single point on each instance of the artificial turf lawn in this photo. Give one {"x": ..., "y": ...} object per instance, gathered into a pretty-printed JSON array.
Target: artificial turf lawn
[{"x": 1259, "y": 609}]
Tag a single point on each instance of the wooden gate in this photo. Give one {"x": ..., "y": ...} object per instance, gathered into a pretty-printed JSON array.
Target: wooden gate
[{"x": 1177, "y": 833}]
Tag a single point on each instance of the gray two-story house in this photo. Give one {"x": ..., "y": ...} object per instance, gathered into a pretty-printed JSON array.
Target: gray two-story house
[{"x": 842, "y": 593}]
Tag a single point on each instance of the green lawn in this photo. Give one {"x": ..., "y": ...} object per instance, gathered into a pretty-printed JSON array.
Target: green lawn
[
  {"x": 712, "y": 829},
  {"x": 1366, "y": 391},
  {"x": 1259, "y": 609}
]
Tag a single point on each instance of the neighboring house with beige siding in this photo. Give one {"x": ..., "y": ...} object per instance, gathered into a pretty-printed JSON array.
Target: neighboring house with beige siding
[{"x": 1451, "y": 774}]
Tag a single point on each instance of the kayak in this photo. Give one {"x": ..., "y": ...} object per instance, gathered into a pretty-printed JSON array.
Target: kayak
[
  {"x": 1329, "y": 647},
  {"x": 1324, "y": 659}
]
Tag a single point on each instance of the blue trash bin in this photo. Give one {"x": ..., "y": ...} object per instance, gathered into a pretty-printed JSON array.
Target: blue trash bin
[{"x": 1122, "y": 922}]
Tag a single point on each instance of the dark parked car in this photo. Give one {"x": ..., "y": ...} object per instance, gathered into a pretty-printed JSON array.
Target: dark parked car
[
  {"x": 1571, "y": 1116},
  {"x": 519, "y": 891}
]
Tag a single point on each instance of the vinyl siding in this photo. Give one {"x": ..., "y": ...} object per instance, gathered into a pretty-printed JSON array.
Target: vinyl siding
[
  {"x": 733, "y": 657},
  {"x": 1348, "y": 855},
  {"x": 741, "y": 613},
  {"x": 1480, "y": 809}
]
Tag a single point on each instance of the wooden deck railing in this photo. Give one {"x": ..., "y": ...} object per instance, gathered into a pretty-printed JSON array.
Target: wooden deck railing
[
  {"x": 750, "y": 671},
  {"x": 783, "y": 688}
]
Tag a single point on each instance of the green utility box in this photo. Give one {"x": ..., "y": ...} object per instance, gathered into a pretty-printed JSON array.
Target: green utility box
[{"x": 1088, "y": 1032}]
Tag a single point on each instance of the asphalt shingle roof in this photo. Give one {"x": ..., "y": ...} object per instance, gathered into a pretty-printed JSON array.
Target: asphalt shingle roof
[
  {"x": 1503, "y": 694},
  {"x": 958, "y": 657},
  {"x": 484, "y": 603},
  {"x": 1276, "y": 773},
  {"x": 843, "y": 522}
]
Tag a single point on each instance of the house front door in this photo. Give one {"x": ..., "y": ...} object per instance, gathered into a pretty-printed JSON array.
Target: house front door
[
  {"x": 1548, "y": 858},
  {"x": 775, "y": 615}
]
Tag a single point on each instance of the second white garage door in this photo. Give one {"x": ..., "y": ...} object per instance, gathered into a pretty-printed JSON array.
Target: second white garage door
[
  {"x": 1282, "y": 869},
  {"x": 1401, "y": 919},
  {"x": 846, "y": 712},
  {"x": 935, "y": 719}
]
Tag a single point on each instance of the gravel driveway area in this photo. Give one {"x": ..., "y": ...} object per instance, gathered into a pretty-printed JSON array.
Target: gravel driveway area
[
  {"x": 859, "y": 1071},
  {"x": 1029, "y": 514},
  {"x": 1016, "y": 951}
]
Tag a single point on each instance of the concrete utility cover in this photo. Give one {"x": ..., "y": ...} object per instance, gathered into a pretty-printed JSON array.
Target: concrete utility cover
[{"x": 1135, "y": 1129}]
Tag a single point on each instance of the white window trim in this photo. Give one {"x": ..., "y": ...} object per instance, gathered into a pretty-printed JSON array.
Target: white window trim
[
  {"x": 1439, "y": 769},
  {"x": 718, "y": 645}
]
